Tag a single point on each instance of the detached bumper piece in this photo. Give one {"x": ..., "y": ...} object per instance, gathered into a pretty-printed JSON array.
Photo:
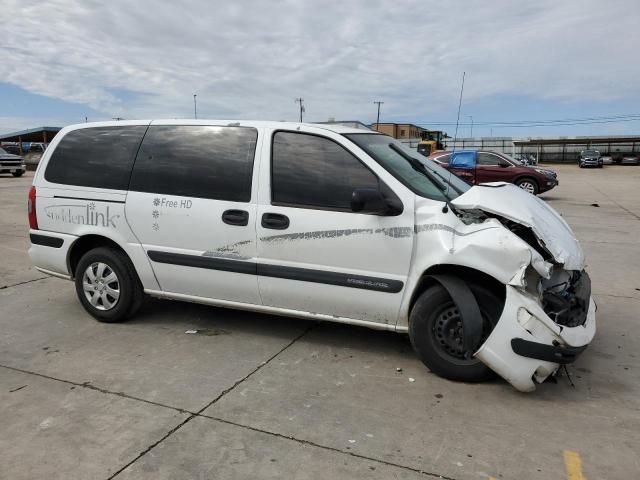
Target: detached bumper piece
[{"x": 549, "y": 353}]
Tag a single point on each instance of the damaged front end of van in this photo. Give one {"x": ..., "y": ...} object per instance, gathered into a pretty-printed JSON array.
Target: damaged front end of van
[{"x": 548, "y": 317}]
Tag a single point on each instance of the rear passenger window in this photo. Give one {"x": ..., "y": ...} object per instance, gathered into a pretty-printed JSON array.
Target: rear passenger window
[
  {"x": 312, "y": 171},
  {"x": 99, "y": 157},
  {"x": 196, "y": 161}
]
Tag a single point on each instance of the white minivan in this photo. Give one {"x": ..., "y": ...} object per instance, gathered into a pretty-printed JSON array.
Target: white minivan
[{"x": 314, "y": 221}]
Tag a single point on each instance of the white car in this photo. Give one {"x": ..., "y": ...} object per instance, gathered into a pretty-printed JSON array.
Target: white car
[{"x": 321, "y": 222}]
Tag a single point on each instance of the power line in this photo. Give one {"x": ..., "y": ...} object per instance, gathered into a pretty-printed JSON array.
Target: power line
[{"x": 543, "y": 123}]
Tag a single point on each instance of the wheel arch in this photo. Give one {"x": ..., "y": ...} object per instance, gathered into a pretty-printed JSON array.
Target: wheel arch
[
  {"x": 469, "y": 274},
  {"x": 88, "y": 242}
]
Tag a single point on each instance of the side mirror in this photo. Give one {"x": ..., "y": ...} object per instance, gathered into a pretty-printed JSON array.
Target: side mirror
[{"x": 369, "y": 200}]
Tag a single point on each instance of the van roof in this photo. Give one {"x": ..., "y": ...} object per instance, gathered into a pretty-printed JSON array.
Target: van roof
[{"x": 340, "y": 129}]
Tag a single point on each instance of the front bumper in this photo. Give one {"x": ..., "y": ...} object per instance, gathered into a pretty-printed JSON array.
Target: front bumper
[
  {"x": 12, "y": 167},
  {"x": 541, "y": 345}
]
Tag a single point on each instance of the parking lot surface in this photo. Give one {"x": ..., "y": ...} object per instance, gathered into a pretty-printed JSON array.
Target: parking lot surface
[{"x": 258, "y": 396}]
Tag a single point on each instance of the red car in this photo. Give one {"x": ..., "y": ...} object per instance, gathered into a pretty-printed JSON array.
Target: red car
[{"x": 482, "y": 166}]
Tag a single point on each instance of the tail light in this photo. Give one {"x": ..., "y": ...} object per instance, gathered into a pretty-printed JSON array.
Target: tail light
[{"x": 31, "y": 209}]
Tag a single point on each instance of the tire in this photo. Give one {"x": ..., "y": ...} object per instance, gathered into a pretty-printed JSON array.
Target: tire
[
  {"x": 107, "y": 263},
  {"x": 18, "y": 173},
  {"x": 529, "y": 185},
  {"x": 431, "y": 317}
]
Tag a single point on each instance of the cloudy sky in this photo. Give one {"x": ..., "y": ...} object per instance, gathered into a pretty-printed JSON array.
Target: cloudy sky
[{"x": 62, "y": 60}]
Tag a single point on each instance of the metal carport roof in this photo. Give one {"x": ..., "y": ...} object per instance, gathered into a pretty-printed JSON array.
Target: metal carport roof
[{"x": 39, "y": 134}]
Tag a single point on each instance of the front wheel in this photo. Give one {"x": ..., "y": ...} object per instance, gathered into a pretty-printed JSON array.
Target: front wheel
[
  {"x": 435, "y": 330},
  {"x": 18, "y": 173},
  {"x": 107, "y": 285},
  {"x": 528, "y": 185}
]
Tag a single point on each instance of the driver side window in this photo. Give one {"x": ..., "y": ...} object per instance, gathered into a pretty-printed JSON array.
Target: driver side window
[{"x": 310, "y": 171}]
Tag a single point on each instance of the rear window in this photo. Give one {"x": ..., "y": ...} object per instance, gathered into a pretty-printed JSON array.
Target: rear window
[
  {"x": 100, "y": 157},
  {"x": 196, "y": 161}
]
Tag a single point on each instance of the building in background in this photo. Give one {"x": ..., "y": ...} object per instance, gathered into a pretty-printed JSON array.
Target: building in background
[{"x": 400, "y": 130}]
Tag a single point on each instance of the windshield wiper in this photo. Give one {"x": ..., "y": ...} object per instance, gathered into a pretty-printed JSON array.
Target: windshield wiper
[{"x": 420, "y": 168}]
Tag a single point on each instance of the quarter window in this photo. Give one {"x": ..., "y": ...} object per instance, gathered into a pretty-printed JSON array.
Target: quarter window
[
  {"x": 99, "y": 157},
  {"x": 315, "y": 172},
  {"x": 196, "y": 161}
]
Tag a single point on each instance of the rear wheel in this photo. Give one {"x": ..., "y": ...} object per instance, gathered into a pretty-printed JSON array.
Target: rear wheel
[
  {"x": 529, "y": 185},
  {"x": 435, "y": 330},
  {"x": 19, "y": 173},
  {"x": 107, "y": 285}
]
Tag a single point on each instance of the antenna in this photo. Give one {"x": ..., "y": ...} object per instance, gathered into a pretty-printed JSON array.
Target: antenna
[{"x": 455, "y": 138}]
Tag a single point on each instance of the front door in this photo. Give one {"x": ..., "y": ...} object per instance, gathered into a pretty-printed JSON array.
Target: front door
[
  {"x": 314, "y": 253},
  {"x": 190, "y": 206},
  {"x": 492, "y": 168}
]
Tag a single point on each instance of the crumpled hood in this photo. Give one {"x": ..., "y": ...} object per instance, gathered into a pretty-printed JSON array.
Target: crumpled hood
[{"x": 513, "y": 203}]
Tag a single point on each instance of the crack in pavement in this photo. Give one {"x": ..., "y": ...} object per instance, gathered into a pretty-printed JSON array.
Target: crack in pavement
[
  {"x": 25, "y": 282},
  {"x": 97, "y": 389},
  {"x": 217, "y": 398},
  {"x": 326, "y": 447},
  {"x": 637, "y": 217}
]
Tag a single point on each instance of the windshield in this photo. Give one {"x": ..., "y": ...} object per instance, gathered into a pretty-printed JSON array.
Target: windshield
[
  {"x": 590, "y": 152},
  {"x": 2, "y": 151},
  {"x": 394, "y": 157}
]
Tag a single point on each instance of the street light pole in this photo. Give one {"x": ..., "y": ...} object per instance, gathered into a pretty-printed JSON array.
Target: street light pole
[
  {"x": 471, "y": 117},
  {"x": 195, "y": 107},
  {"x": 301, "y": 102},
  {"x": 378, "y": 119}
]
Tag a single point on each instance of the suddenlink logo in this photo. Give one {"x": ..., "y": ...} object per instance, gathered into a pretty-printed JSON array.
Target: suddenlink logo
[{"x": 81, "y": 215}]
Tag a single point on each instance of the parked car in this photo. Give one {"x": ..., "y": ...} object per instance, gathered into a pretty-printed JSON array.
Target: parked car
[
  {"x": 11, "y": 148},
  {"x": 321, "y": 222},
  {"x": 10, "y": 163},
  {"x": 629, "y": 160},
  {"x": 590, "y": 158},
  {"x": 482, "y": 166}
]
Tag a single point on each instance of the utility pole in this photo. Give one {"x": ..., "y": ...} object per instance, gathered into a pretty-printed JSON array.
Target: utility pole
[
  {"x": 195, "y": 107},
  {"x": 117, "y": 119},
  {"x": 471, "y": 117},
  {"x": 378, "y": 119},
  {"x": 301, "y": 102}
]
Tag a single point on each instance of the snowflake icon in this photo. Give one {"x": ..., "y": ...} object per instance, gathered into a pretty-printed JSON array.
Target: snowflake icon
[
  {"x": 156, "y": 227},
  {"x": 155, "y": 214},
  {"x": 156, "y": 201},
  {"x": 92, "y": 206}
]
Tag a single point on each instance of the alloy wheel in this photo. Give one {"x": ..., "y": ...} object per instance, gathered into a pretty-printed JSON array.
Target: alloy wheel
[
  {"x": 101, "y": 286},
  {"x": 527, "y": 186}
]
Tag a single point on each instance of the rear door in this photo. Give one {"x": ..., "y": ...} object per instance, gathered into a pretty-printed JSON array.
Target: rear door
[
  {"x": 463, "y": 165},
  {"x": 314, "y": 253},
  {"x": 191, "y": 205}
]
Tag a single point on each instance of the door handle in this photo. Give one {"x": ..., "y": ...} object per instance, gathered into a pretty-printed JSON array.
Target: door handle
[
  {"x": 238, "y": 218},
  {"x": 275, "y": 221}
]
